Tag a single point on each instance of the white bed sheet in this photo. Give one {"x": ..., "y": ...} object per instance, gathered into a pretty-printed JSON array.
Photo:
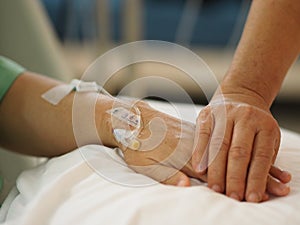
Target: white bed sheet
[{"x": 66, "y": 190}]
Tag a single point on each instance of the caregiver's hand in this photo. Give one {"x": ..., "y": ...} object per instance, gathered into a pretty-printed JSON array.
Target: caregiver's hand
[{"x": 237, "y": 143}]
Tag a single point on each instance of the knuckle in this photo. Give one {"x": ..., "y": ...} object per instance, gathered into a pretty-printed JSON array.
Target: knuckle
[
  {"x": 206, "y": 132},
  {"x": 249, "y": 112},
  {"x": 239, "y": 153},
  {"x": 256, "y": 178},
  {"x": 271, "y": 127},
  {"x": 235, "y": 179},
  {"x": 221, "y": 145},
  {"x": 264, "y": 156},
  {"x": 204, "y": 114},
  {"x": 220, "y": 141},
  {"x": 269, "y": 123},
  {"x": 225, "y": 142}
]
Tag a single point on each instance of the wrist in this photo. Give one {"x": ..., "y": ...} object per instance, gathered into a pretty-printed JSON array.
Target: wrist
[
  {"x": 103, "y": 120},
  {"x": 245, "y": 91}
]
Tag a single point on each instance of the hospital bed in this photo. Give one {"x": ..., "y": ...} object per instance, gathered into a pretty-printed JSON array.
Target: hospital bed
[{"x": 68, "y": 190}]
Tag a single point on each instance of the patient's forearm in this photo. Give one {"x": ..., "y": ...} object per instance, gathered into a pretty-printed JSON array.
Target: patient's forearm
[
  {"x": 30, "y": 125},
  {"x": 269, "y": 45}
]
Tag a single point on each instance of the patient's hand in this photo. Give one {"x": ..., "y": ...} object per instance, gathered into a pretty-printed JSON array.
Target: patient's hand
[
  {"x": 169, "y": 160},
  {"x": 166, "y": 148}
]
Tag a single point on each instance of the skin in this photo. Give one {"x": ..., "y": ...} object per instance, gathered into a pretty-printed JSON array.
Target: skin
[
  {"x": 249, "y": 136},
  {"x": 30, "y": 125}
]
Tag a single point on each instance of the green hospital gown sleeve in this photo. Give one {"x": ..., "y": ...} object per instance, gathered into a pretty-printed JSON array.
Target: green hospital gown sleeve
[{"x": 9, "y": 71}]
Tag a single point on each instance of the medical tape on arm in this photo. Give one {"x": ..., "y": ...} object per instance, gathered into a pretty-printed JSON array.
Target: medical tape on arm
[
  {"x": 126, "y": 137},
  {"x": 56, "y": 94}
]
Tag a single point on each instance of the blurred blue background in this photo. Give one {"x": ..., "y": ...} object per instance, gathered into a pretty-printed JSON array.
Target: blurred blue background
[
  {"x": 62, "y": 38},
  {"x": 214, "y": 26}
]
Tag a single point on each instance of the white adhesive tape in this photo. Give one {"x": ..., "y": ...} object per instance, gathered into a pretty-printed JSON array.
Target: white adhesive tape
[
  {"x": 56, "y": 94},
  {"x": 123, "y": 136}
]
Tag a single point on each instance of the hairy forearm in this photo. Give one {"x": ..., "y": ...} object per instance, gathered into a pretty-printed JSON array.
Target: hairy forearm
[
  {"x": 268, "y": 47},
  {"x": 31, "y": 125}
]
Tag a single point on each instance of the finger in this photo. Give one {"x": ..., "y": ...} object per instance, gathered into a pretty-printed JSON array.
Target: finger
[
  {"x": 260, "y": 165},
  {"x": 282, "y": 176},
  {"x": 218, "y": 152},
  {"x": 277, "y": 142},
  {"x": 189, "y": 171},
  {"x": 163, "y": 174},
  {"x": 265, "y": 197},
  {"x": 277, "y": 188},
  {"x": 202, "y": 135},
  {"x": 178, "y": 179},
  {"x": 238, "y": 160}
]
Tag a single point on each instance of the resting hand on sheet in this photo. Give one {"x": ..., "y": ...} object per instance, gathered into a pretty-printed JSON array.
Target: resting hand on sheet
[
  {"x": 169, "y": 160},
  {"x": 165, "y": 149}
]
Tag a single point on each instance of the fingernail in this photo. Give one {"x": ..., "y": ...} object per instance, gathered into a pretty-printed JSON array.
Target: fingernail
[
  {"x": 216, "y": 188},
  {"x": 282, "y": 186},
  {"x": 181, "y": 183},
  {"x": 282, "y": 189},
  {"x": 234, "y": 196},
  {"x": 253, "y": 197},
  {"x": 286, "y": 174}
]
